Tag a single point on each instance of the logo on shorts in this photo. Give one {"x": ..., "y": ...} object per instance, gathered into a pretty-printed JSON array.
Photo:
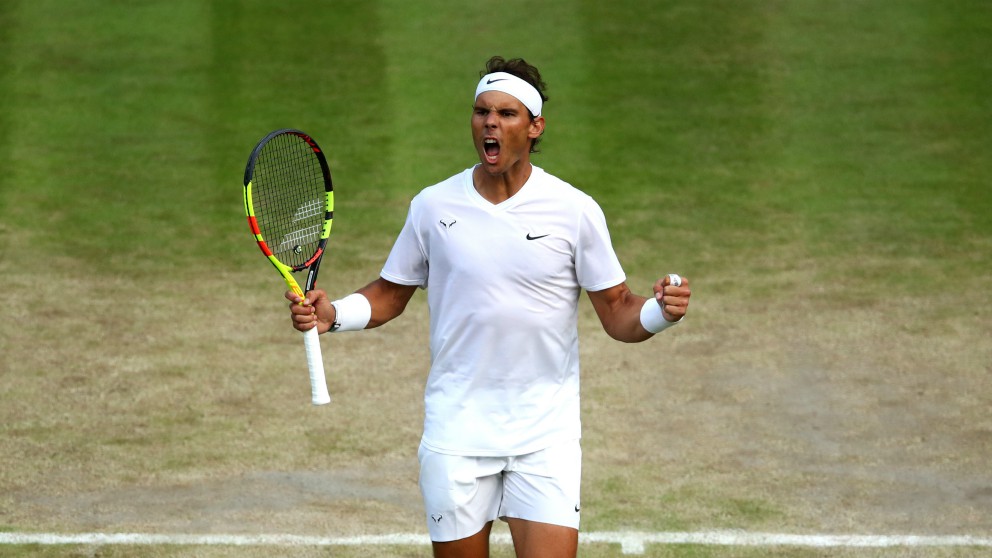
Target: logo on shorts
[
  {"x": 577, "y": 508},
  {"x": 436, "y": 517}
]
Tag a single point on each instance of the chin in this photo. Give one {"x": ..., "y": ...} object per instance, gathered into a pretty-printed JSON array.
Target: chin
[{"x": 492, "y": 168}]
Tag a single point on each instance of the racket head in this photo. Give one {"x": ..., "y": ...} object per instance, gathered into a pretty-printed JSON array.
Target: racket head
[{"x": 289, "y": 202}]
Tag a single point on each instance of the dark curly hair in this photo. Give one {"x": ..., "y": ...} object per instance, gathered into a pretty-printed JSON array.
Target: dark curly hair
[{"x": 527, "y": 72}]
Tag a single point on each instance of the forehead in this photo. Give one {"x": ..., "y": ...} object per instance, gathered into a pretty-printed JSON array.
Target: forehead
[{"x": 499, "y": 100}]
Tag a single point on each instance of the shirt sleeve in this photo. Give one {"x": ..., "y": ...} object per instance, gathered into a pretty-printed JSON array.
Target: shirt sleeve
[
  {"x": 407, "y": 261},
  {"x": 596, "y": 264}
]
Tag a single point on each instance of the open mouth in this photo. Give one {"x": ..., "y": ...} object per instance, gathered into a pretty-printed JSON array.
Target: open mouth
[{"x": 491, "y": 147}]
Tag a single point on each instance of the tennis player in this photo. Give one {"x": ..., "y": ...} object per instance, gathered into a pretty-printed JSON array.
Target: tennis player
[{"x": 504, "y": 250}]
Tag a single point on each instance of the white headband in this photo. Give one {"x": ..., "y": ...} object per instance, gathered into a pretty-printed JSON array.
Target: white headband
[{"x": 512, "y": 85}]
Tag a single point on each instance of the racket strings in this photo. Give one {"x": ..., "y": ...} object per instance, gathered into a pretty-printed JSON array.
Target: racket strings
[{"x": 289, "y": 198}]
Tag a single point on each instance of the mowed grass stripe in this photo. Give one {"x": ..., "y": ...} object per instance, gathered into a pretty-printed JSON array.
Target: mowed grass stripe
[
  {"x": 7, "y": 71},
  {"x": 877, "y": 151},
  {"x": 107, "y": 108}
]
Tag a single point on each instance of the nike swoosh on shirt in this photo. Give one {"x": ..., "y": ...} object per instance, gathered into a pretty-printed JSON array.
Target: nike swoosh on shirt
[{"x": 529, "y": 237}]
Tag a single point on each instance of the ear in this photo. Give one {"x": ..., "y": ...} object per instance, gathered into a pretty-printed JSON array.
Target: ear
[{"x": 536, "y": 127}]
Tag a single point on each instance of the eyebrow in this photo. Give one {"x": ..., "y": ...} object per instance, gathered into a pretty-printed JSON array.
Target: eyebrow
[{"x": 496, "y": 108}]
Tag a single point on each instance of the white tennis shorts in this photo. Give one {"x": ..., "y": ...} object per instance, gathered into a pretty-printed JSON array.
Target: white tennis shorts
[{"x": 462, "y": 494}]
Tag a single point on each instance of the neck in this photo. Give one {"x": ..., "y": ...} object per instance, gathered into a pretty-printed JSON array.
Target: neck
[{"x": 497, "y": 188}]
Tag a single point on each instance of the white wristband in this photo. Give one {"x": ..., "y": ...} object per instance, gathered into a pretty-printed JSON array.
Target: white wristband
[
  {"x": 351, "y": 313},
  {"x": 652, "y": 318}
]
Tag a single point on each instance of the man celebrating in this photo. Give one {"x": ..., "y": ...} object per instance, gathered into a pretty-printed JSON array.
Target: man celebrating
[{"x": 504, "y": 250}]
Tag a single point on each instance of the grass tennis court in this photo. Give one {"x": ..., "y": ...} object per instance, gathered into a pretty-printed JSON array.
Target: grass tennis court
[{"x": 820, "y": 171}]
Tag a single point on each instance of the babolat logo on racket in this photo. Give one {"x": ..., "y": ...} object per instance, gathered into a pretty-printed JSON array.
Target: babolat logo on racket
[{"x": 297, "y": 249}]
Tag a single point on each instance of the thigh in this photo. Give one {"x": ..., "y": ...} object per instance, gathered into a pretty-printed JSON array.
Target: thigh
[
  {"x": 475, "y": 546},
  {"x": 543, "y": 540}
]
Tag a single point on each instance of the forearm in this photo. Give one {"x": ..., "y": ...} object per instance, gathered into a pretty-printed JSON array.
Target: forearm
[
  {"x": 619, "y": 312},
  {"x": 632, "y": 318},
  {"x": 623, "y": 321},
  {"x": 388, "y": 300}
]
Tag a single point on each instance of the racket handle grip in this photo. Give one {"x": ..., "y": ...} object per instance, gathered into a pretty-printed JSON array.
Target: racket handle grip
[{"x": 318, "y": 383}]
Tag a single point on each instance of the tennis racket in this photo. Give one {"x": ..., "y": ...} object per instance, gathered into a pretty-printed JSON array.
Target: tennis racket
[{"x": 289, "y": 201}]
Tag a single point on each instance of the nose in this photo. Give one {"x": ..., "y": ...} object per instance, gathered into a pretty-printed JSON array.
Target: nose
[{"x": 492, "y": 118}]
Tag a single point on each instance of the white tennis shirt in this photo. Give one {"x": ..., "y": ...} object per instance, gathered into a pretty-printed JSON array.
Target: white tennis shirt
[{"x": 503, "y": 284}]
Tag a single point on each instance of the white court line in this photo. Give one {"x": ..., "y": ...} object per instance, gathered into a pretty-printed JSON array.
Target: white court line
[{"x": 631, "y": 542}]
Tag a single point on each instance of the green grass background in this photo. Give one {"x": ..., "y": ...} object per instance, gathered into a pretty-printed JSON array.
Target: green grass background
[
  {"x": 853, "y": 129},
  {"x": 776, "y": 152}
]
